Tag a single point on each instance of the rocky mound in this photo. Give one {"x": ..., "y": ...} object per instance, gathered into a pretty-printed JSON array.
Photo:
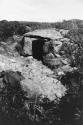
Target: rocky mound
[
  {"x": 41, "y": 45},
  {"x": 34, "y": 70}
]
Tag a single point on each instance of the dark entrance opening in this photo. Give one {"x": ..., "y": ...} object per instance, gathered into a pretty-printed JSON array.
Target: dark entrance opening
[{"x": 37, "y": 48}]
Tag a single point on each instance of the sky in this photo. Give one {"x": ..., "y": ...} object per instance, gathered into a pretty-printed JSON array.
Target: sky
[{"x": 41, "y": 10}]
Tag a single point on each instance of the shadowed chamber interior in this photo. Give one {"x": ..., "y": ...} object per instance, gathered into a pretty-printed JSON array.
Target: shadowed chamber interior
[{"x": 37, "y": 49}]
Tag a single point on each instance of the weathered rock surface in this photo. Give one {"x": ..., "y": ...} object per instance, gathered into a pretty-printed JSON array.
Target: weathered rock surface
[
  {"x": 28, "y": 46},
  {"x": 50, "y": 33}
]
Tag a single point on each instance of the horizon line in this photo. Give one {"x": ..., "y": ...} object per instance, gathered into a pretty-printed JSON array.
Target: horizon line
[{"x": 41, "y": 21}]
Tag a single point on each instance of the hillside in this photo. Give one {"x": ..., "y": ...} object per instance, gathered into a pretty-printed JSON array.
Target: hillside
[{"x": 65, "y": 24}]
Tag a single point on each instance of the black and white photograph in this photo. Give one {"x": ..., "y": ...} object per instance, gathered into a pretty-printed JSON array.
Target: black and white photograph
[{"x": 41, "y": 62}]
